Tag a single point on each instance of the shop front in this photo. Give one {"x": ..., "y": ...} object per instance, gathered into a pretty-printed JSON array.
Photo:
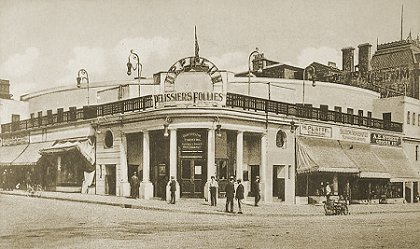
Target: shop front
[
  {"x": 360, "y": 166},
  {"x": 69, "y": 165}
]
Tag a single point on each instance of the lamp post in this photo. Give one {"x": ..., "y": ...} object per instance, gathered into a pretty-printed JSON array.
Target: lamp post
[
  {"x": 83, "y": 75},
  {"x": 137, "y": 66},
  {"x": 249, "y": 69},
  {"x": 313, "y": 81}
]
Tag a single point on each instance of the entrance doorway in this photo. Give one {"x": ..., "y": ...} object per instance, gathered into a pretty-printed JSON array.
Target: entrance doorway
[
  {"x": 192, "y": 162},
  {"x": 193, "y": 177},
  {"x": 159, "y": 162},
  {"x": 278, "y": 181},
  {"x": 110, "y": 179},
  {"x": 255, "y": 171}
]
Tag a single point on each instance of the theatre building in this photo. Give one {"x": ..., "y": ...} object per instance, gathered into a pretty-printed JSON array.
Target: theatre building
[{"x": 195, "y": 121}]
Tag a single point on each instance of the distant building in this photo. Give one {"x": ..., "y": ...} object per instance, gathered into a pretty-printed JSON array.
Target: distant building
[
  {"x": 5, "y": 89},
  {"x": 393, "y": 69},
  {"x": 263, "y": 67}
]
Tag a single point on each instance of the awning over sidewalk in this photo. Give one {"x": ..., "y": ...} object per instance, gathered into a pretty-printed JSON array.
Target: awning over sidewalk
[
  {"x": 365, "y": 160},
  {"x": 31, "y": 154},
  {"x": 322, "y": 155},
  {"x": 84, "y": 146},
  {"x": 396, "y": 163},
  {"x": 10, "y": 153}
]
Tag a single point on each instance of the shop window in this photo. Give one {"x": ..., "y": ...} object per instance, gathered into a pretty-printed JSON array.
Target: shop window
[
  {"x": 70, "y": 174},
  {"x": 408, "y": 117},
  {"x": 109, "y": 139}
]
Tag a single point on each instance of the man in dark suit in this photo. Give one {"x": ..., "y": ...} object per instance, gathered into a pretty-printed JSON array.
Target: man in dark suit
[
  {"x": 135, "y": 184},
  {"x": 257, "y": 191},
  {"x": 230, "y": 193},
  {"x": 172, "y": 188},
  {"x": 240, "y": 191}
]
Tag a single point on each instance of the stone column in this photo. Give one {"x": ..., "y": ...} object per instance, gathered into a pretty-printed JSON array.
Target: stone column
[
  {"x": 146, "y": 187},
  {"x": 211, "y": 161},
  {"x": 266, "y": 183},
  {"x": 124, "y": 188},
  {"x": 239, "y": 154},
  {"x": 172, "y": 164}
]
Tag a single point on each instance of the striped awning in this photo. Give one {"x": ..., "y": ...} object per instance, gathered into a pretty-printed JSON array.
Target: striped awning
[
  {"x": 322, "y": 155},
  {"x": 396, "y": 162},
  {"x": 10, "y": 153},
  {"x": 31, "y": 154},
  {"x": 369, "y": 165},
  {"x": 84, "y": 146}
]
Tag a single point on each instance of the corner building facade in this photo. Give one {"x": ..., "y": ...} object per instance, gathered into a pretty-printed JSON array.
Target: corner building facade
[{"x": 196, "y": 121}]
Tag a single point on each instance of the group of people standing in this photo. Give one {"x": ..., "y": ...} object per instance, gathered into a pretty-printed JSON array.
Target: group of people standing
[
  {"x": 239, "y": 194},
  {"x": 232, "y": 192}
]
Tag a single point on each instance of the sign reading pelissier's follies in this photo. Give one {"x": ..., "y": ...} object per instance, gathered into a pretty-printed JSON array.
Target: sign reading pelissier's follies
[{"x": 384, "y": 139}]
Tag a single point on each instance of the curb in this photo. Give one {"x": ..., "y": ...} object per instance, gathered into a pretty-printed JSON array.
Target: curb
[{"x": 142, "y": 207}]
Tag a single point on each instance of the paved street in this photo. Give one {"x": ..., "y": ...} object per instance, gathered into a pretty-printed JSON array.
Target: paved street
[{"x": 43, "y": 223}]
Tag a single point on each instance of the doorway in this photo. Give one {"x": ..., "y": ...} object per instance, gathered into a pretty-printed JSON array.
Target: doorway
[
  {"x": 159, "y": 162},
  {"x": 110, "y": 179},
  {"x": 193, "y": 177},
  {"x": 255, "y": 171},
  {"x": 278, "y": 181}
]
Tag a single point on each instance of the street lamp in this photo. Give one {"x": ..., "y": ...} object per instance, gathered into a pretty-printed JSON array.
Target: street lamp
[
  {"x": 83, "y": 75},
  {"x": 249, "y": 69},
  {"x": 313, "y": 81},
  {"x": 137, "y": 66}
]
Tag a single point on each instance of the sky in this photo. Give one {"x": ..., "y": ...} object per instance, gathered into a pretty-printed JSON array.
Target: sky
[{"x": 44, "y": 43}]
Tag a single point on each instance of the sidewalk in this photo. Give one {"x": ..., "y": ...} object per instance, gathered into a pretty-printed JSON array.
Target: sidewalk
[{"x": 199, "y": 206}]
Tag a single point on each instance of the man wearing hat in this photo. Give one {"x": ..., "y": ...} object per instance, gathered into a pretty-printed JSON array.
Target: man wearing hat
[
  {"x": 230, "y": 193},
  {"x": 257, "y": 191},
  {"x": 240, "y": 195}
]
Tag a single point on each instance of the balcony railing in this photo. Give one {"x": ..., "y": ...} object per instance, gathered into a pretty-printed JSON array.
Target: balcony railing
[{"x": 232, "y": 100}]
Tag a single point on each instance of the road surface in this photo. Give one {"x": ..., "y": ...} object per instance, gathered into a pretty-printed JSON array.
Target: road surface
[{"x": 41, "y": 223}]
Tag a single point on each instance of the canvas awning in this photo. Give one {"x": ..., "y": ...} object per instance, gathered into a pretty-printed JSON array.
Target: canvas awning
[
  {"x": 396, "y": 163},
  {"x": 10, "y": 153},
  {"x": 365, "y": 160},
  {"x": 84, "y": 146},
  {"x": 322, "y": 155},
  {"x": 31, "y": 154}
]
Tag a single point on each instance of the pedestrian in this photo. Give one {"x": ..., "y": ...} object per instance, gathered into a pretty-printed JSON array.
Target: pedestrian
[
  {"x": 135, "y": 184},
  {"x": 257, "y": 191},
  {"x": 230, "y": 192},
  {"x": 327, "y": 191},
  {"x": 213, "y": 191},
  {"x": 172, "y": 188},
  {"x": 240, "y": 195},
  {"x": 28, "y": 180}
]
